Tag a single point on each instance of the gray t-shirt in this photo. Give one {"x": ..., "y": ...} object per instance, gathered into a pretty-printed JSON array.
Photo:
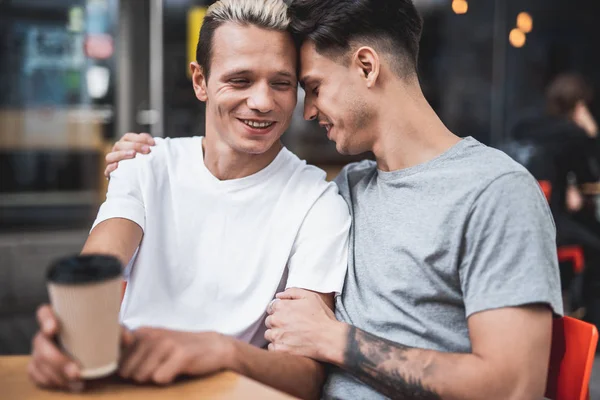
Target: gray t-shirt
[{"x": 432, "y": 244}]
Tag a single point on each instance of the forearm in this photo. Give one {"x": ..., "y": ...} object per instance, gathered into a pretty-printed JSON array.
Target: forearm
[
  {"x": 402, "y": 372},
  {"x": 298, "y": 376},
  {"x": 118, "y": 237}
]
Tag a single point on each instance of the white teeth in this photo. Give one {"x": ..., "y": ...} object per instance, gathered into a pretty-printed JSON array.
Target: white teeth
[{"x": 255, "y": 124}]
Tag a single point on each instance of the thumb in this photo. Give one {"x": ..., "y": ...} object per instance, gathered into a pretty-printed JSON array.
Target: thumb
[
  {"x": 292, "y": 294},
  {"x": 47, "y": 320}
]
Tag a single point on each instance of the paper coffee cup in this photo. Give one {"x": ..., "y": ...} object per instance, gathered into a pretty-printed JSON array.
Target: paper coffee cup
[{"x": 85, "y": 293}]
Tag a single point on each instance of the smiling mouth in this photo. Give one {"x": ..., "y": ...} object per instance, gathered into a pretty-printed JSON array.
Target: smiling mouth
[
  {"x": 258, "y": 124},
  {"x": 327, "y": 127}
]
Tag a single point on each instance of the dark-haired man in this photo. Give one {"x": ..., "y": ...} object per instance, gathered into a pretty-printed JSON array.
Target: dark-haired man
[{"x": 452, "y": 279}]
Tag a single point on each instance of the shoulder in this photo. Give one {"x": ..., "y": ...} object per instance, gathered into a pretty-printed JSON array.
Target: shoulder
[
  {"x": 495, "y": 175},
  {"x": 170, "y": 148},
  {"x": 304, "y": 177},
  {"x": 513, "y": 197},
  {"x": 166, "y": 151},
  {"x": 309, "y": 182},
  {"x": 358, "y": 169},
  {"x": 354, "y": 172},
  {"x": 481, "y": 166}
]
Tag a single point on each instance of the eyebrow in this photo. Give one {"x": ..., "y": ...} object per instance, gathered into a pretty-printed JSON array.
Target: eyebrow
[
  {"x": 305, "y": 81},
  {"x": 285, "y": 73},
  {"x": 247, "y": 71},
  {"x": 237, "y": 72}
]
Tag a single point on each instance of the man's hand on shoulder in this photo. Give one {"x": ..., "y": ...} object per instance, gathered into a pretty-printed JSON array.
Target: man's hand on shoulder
[{"x": 126, "y": 148}]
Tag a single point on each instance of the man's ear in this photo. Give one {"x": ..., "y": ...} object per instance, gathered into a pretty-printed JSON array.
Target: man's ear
[
  {"x": 199, "y": 81},
  {"x": 368, "y": 64}
]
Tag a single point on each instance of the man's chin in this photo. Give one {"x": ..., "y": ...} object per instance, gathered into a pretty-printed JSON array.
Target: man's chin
[
  {"x": 256, "y": 147},
  {"x": 343, "y": 149}
]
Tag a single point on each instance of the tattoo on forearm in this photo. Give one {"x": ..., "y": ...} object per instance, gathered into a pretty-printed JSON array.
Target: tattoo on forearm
[{"x": 379, "y": 363}]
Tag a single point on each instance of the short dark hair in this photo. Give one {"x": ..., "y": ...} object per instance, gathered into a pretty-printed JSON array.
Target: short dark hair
[
  {"x": 267, "y": 14},
  {"x": 392, "y": 26},
  {"x": 565, "y": 91}
]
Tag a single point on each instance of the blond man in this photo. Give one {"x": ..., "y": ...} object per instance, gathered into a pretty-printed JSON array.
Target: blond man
[{"x": 227, "y": 221}]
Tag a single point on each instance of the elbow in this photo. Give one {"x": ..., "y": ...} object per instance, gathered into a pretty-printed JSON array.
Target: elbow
[
  {"x": 525, "y": 388},
  {"x": 517, "y": 394},
  {"x": 517, "y": 384},
  {"x": 531, "y": 394}
]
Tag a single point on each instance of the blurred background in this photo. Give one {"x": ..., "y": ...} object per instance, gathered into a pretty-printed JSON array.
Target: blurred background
[{"x": 75, "y": 75}]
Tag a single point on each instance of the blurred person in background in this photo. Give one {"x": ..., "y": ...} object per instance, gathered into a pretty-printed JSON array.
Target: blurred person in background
[
  {"x": 452, "y": 279},
  {"x": 220, "y": 223},
  {"x": 561, "y": 147}
]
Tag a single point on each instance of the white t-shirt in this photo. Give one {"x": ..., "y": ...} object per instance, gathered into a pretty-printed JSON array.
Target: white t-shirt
[{"x": 214, "y": 253}]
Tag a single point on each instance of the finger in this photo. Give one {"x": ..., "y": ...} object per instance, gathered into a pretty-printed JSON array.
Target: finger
[
  {"x": 37, "y": 376},
  {"x": 110, "y": 169},
  {"x": 136, "y": 146},
  {"x": 277, "y": 347},
  {"x": 143, "y": 138},
  {"x": 269, "y": 322},
  {"x": 272, "y": 307},
  {"x": 151, "y": 364},
  {"x": 281, "y": 348},
  {"x": 292, "y": 294},
  {"x": 269, "y": 335},
  {"x": 119, "y": 155},
  {"x": 148, "y": 139},
  {"x": 133, "y": 360},
  {"x": 45, "y": 352},
  {"x": 130, "y": 137},
  {"x": 47, "y": 320},
  {"x": 169, "y": 369},
  {"x": 55, "y": 378}
]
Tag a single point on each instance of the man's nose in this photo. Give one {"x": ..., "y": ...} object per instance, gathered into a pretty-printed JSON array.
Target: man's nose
[
  {"x": 310, "y": 111},
  {"x": 261, "y": 99}
]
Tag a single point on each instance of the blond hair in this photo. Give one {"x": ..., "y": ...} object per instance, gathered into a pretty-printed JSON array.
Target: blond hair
[{"x": 268, "y": 14}]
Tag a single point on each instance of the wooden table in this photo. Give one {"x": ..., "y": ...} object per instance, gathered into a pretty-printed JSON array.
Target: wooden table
[{"x": 15, "y": 385}]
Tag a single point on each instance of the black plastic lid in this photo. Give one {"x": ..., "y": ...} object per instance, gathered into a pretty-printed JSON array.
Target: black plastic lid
[{"x": 84, "y": 269}]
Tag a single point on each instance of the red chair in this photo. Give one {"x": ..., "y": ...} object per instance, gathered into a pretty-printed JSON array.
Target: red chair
[
  {"x": 546, "y": 188},
  {"x": 571, "y": 359},
  {"x": 572, "y": 254}
]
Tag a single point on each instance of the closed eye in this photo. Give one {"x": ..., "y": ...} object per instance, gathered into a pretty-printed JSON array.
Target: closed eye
[
  {"x": 282, "y": 85},
  {"x": 239, "y": 81}
]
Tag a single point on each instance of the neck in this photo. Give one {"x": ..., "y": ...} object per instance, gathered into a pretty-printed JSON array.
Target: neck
[
  {"x": 225, "y": 163},
  {"x": 411, "y": 135}
]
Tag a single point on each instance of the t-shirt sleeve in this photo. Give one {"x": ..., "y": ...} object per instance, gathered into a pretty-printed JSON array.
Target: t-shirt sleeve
[
  {"x": 509, "y": 250},
  {"x": 319, "y": 258},
  {"x": 124, "y": 198}
]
